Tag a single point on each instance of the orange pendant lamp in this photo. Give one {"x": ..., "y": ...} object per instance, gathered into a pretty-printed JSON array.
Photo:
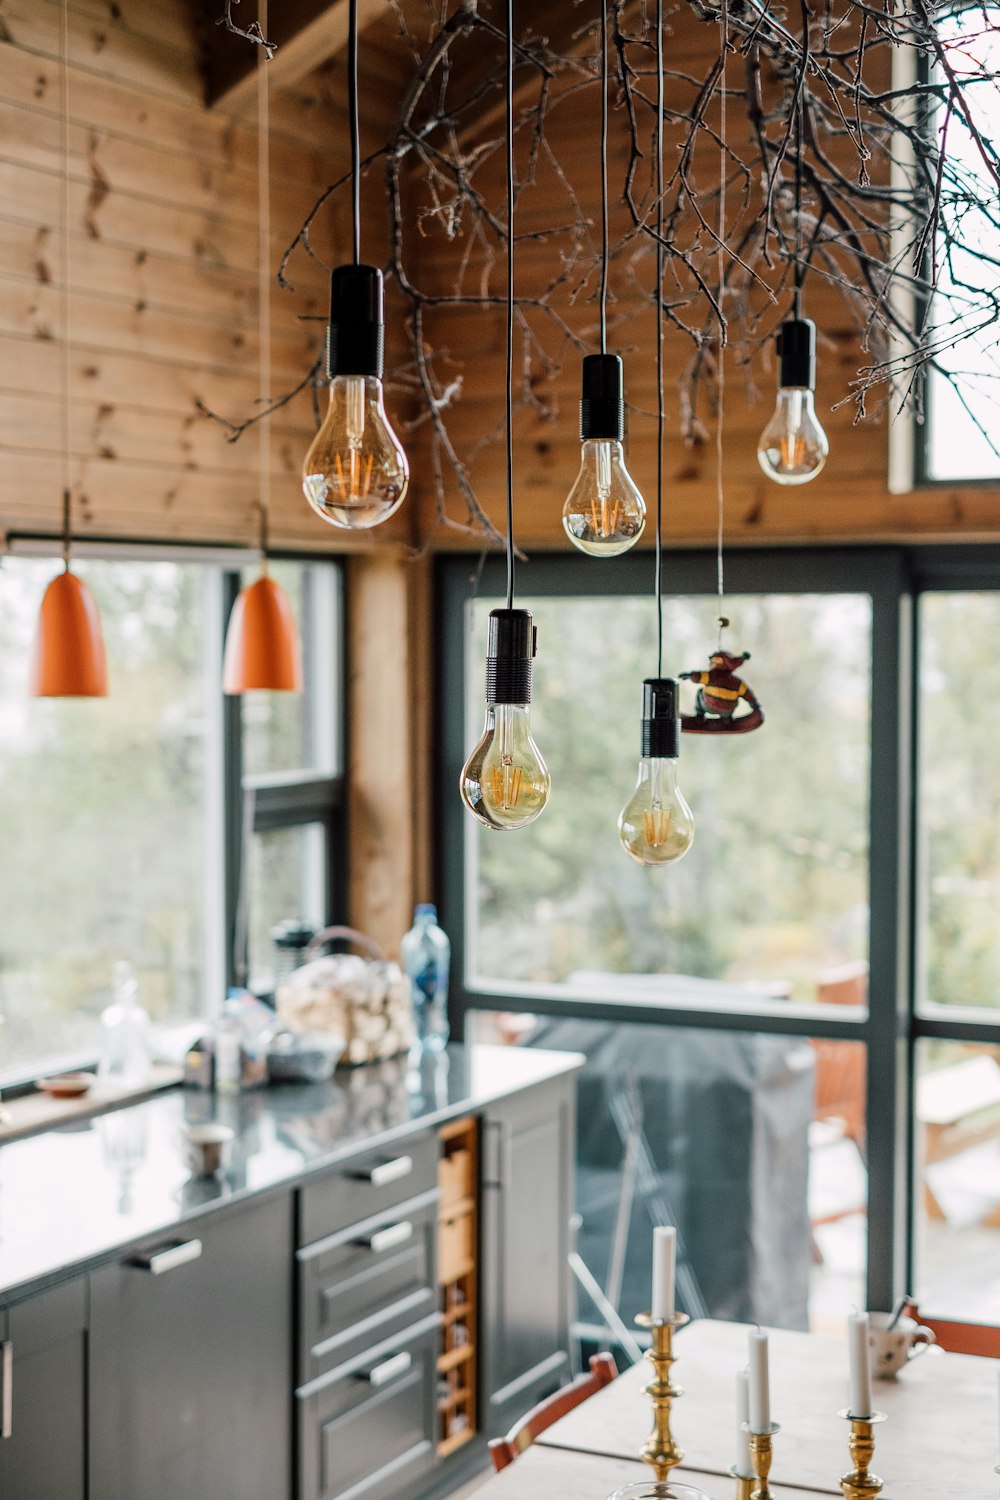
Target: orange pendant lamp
[
  {"x": 262, "y": 642},
  {"x": 68, "y": 659}
]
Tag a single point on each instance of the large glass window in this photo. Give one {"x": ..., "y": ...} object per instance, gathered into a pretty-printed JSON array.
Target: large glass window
[
  {"x": 113, "y": 812},
  {"x": 773, "y": 897},
  {"x": 837, "y": 915}
]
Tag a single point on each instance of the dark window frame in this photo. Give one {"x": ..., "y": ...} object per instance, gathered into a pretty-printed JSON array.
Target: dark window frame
[
  {"x": 895, "y": 577},
  {"x": 924, "y": 392},
  {"x": 282, "y": 800}
]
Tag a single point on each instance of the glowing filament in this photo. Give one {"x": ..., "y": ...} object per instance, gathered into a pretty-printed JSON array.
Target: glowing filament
[
  {"x": 506, "y": 781},
  {"x": 656, "y": 825},
  {"x": 793, "y": 450}
]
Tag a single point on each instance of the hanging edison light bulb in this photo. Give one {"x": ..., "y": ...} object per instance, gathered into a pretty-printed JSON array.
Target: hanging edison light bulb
[
  {"x": 505, "y": 782},
  {"x": 793, "y": 446},
  {"x": 355, "y": 473},
  {"x": 656, "y": 826},
  {"x": 604, "y": 513}
]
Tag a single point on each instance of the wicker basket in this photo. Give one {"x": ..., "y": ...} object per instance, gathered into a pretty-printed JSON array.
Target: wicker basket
[{"x": 365, "y": 1000}]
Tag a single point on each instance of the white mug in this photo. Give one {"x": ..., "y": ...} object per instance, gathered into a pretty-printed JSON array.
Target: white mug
[
  {"x": 892, "y": 1347},
  {"x": 207, "y": 1149}
]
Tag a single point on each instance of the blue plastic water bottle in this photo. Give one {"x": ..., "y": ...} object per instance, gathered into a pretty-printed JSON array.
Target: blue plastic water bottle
[{"x": 426, "y": 954}]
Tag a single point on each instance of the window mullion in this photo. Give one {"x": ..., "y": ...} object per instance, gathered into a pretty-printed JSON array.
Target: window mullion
[{"x": 890, "y": 1047}]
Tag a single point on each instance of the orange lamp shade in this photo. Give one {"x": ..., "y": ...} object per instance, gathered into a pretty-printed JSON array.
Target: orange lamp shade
[
  {"x": 262, "y": 642},
  {"x": 69, "y": 659}
]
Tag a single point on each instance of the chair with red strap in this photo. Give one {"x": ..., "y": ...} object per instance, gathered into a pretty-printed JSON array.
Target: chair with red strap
[{"x": 504, "y": 1450}]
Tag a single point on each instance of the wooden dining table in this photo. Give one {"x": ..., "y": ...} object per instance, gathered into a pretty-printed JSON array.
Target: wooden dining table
[{"x": 939, "y": 1439}]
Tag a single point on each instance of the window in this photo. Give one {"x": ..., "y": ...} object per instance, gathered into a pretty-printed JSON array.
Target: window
[
  {"x": 962, "y": 432},
  {"x": 120, "y": 819},
  {"x": 831, "y": 937}
]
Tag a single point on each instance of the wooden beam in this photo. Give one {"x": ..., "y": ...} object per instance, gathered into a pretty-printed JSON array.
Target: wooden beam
[{"x": 307, "y": 33}]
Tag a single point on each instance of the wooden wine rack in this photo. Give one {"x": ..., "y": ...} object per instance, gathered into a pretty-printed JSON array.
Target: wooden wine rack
[{"x": 458, "y": 1243}]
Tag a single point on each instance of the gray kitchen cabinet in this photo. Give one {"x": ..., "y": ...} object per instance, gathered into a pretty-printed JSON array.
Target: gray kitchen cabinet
[
  {"x": 191, "y": 1362},
  {"x": 527, "y": 1185},
  {"x": 42, "y": 1395}
]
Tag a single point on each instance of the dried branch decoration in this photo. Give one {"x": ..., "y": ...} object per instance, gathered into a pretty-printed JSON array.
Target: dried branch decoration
[
  {"x": 899, "y": 209},
  {"x": 251, "y": 33}
]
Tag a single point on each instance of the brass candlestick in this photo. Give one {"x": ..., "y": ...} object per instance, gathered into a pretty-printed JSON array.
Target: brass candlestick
[
  {"x": 744, "y": 1484},
  {"x": 661, "y": 1452},
  {"x": 860, "y": 1483},
  {"x": 761, "y": 1453}
]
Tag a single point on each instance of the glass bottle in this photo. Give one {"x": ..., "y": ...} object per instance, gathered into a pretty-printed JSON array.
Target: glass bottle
[
  {"x": 426, "y": 955},
  {"x": 229, "y": 1049},
  {"x": 125, "y": 1052}
]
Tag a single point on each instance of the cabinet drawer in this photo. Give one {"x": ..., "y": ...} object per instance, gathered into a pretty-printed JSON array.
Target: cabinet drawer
[
  {"x": 368, "y": 1429},
  {"x": 367, "y": 1186},
  {"x": 362, "y": 1285}
]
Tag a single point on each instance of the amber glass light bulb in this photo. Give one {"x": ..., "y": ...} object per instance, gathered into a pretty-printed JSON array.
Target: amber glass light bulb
[
  {"x": 656, "y": 825},
  {"x": 793, "y": 446},
  {"x": 355, "y": 474},
  {"x": 604, "y": 513},
  {"x": 505, "y": 782}
]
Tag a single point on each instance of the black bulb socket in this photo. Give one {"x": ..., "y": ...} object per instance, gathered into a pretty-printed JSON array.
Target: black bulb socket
[
  {"x": 796, "y": 345},
  {"x": 661, "y": 724},
  {"x": 602, "y": 404},
  {"x": 510, "y": 650},
  {"x": 356, "y": 336}
]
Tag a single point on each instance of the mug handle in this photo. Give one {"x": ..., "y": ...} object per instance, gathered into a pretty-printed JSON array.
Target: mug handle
[{"x": 923, "y": 1338}]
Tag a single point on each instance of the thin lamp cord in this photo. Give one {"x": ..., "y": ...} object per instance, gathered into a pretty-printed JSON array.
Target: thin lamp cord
[
  {"x": 352, "y": 96},
  {"x": 721, "y": 394},
  {"x": 264, "y": 280},
  {"x": 799, "y": 269},
  {"x": 64, "y": 372},
  {"x": 660, "y": 269},
  {"x": 510, "y": 303},
  {"x": 604, "y": 177}
]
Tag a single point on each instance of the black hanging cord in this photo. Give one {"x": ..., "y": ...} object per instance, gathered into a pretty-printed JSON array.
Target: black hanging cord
[
  {"x": 510, "y": 303},
  {"x": 352, "y": 99},
  {"x": 660, "y": 269},
  {"x": 799, "y": 267},
  {"x": 604, "y": 177}
]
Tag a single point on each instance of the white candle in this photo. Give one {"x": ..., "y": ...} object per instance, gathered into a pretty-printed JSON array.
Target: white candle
[
  {"x": 760, "y": 1392},
  {"x": 664, "y": 1269},
  {"x": 859, "y": 1364},
  {"x": 744, "y": 1464}
]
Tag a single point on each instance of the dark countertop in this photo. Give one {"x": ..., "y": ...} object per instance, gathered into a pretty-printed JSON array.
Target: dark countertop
[{"x": 83, "y": 1192}]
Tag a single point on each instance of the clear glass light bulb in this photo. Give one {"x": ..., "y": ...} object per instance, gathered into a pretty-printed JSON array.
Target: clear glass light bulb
[
  {"x": 505, "y": 782},
  {"x": 604, "y": 513},
  {"x": 656, "y": 826},
  {"x": 355, "y": 473},
  {"x": 793, "y": 446}
]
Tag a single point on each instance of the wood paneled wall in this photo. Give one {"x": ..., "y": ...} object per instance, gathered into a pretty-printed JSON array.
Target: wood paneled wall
[{"x": 163, "y": 280}]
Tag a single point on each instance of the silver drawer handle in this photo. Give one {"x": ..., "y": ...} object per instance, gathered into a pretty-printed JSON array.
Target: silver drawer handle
[
  {"x": 389, "y": 1369},
  {"x": 388, "y": 1239},
  {"x": 6, "y": 1389},
  {"x": 389, "y": 1171},
  {"x": 156, "y": 1262}
]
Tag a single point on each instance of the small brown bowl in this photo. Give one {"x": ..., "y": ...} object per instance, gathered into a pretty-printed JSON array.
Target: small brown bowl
[{"x": 67, "y": 1085}]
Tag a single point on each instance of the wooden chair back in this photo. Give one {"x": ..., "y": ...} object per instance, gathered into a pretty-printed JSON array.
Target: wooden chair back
[
  {"x": 504, "y": 1450},
  {"x": 960, "y": 1338}
]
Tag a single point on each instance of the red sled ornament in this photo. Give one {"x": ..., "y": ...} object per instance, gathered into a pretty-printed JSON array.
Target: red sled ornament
[{"x": 720, "y": 693}]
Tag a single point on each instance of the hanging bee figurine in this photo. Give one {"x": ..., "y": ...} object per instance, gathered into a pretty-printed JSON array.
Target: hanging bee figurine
[{"x": 720, "y": 692}]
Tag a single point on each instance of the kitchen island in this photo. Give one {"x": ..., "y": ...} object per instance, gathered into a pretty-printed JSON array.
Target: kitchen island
[{"x": 285, "y": 1330}]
